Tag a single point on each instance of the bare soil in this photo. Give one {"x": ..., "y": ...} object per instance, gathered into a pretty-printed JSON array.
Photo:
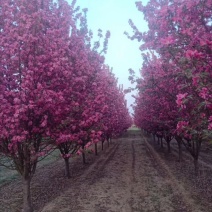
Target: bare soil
[{"x": 129, "y": 175}]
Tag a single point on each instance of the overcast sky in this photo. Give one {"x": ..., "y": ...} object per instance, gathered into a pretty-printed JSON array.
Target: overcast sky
[{"x": 122, "y": 53}]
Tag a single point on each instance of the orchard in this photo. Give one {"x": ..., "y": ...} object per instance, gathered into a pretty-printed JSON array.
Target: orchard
[{"x": 57, "y": 94}]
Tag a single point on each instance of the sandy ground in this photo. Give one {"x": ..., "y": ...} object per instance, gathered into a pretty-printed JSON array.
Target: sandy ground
[{"x": 127, "y": 176}]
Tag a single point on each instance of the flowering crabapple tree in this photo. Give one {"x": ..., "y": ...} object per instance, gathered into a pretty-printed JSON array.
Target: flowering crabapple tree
[
  {"x": 116, "y": 119},
  {"x": 106, "y": 100},
  {"x": 156, "y": 99},
  {"x": 180, "y": 34},
  {"x": 85, "y": 94},
  {"x": 82, "y": 97},
  {"x": 33, "y": 80}
]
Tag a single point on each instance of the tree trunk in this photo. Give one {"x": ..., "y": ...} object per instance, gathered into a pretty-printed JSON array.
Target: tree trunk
[
  {"x": 154, "y": 137},
  {"x": 96, "y": 152},
  {"x": 83, "y": 155},
  {"x": 161, "y": 142},
  {"x": 158, "y": 141},
  {"x": 102, "y": 145},
  {"x": 168, "y": 140},
  {"x": 179, "y": 142},
  {"x": 83, "y": 158},
  {"x": 168, "y": 145},
  {"x": 108, "y": 143},
  {"x": 197, "y": 148},
  {"x": 27, "y": 206},
  {"x": 67, "y": 169}
]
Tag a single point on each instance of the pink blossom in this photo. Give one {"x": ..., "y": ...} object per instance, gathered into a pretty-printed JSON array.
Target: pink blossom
[
  {"x": 88, "y": 144},
  {"x": 17, "y": 101},
  {"x": 193, "y": 53},
  {"x": 195, "y": 80},
  {"x": 79, "y": 152},
  {"x": 181, "y": 125},
  {"x": 204, "y": 93},
  {"x": 66, "y": 155},
  {"x": 210, "y": 123},
  {"x": 180, "y": 98},
  {"x": 210, "y": 126},
  {"x": 96, "y": 140},
  {"x": 202, "y": 115},
  {"x": 44, "y": 123},
  {"x": 168, "y": 40},
  {"x": 41, "y": 154},
  {"x": 99, "y": 133}
]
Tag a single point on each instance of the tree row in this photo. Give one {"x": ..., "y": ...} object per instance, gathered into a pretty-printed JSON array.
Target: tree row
[{"x": 174, "y": 98}]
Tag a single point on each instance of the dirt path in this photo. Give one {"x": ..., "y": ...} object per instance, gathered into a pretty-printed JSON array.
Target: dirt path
[{"x": 127, "y": 178}]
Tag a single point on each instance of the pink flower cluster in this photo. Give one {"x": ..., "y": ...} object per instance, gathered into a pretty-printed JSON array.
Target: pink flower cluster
[
  {"x": 210, "y": 123},
  {"x": 180, "y": 98},
  {"x": 204, "y": 93},
  {"x": 181, "y": 125}
]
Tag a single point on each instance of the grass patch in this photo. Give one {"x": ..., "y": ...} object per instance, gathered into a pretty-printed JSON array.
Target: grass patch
[
  {"x": 55, "y": 155},
  {"x": 133, "y": 129},
  {"x": 7, "y": 175}
]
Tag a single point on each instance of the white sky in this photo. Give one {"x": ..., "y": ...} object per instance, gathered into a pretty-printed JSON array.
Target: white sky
[{"x": 122, "y": 53}]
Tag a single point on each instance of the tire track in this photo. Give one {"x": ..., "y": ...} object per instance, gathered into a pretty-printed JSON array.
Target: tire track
[
  {"x": 133, "y": 161},
  {"x": 149, "y": 191},
  {"x": 176, "y": 186},
  {"x": 90, "y": 176}
]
